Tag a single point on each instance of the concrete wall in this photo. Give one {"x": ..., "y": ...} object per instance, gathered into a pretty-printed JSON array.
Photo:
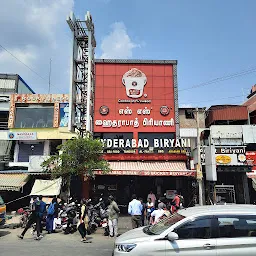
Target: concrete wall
[{"x": 191, "y": 123}]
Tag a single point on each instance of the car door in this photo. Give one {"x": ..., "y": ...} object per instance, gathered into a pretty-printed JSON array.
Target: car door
[
  {"x": 236, "y": 235},
  {"x": 196, "y": 237}
]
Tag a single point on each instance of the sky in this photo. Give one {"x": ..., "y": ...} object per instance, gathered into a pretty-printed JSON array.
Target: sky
[{"x": 213, "y": 41}]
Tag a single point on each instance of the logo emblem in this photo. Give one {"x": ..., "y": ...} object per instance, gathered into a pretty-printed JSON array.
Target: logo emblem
[
  {"x": 104, "y": 110},
  {"x": 11, "y": 135},
  {"x": 134, "y": 81},
  {"x": 164, "y": 111}
]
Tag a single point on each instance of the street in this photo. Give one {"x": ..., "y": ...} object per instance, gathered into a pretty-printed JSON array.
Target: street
[{"x": 55, "y": 244}]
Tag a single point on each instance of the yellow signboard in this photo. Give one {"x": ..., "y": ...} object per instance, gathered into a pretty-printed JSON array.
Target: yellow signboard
[{"x": 223, "y": 159}]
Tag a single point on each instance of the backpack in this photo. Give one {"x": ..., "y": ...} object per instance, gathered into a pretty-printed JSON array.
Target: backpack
[{"x": 51, "y": 209}]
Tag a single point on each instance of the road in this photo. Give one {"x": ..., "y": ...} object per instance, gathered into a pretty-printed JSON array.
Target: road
[{"x": 53, "y": 244}]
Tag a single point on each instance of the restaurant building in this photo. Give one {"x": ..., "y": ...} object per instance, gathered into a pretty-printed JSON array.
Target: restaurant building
[{"x": 136, "y": 116}]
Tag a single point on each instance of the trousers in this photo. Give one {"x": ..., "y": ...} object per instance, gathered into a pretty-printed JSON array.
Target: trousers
[
  {"x": 33, "y": 219},
  {"x": 113, "y": 227},
  {"x": 82, "y": 230},
  {"x": 49, "y": 223},
  {"x": 136, "y": 221}
]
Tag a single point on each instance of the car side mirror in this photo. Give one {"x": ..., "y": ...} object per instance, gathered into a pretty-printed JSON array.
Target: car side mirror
[{"x": 172, "y": 236}]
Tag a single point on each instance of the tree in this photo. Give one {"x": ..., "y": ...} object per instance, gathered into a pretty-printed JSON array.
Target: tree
[{"x": 78, "y": 156}]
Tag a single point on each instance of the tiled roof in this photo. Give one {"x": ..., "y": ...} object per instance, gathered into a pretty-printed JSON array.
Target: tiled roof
[{"x": 13, "y": 181}]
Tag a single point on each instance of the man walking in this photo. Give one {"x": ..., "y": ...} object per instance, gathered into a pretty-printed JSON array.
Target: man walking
[
  {"x": 42, "y": 212},
  {"x": 135, "y": 210},
  {"x": 34, "y": 218},
  {"x": 113, "y": 217}
]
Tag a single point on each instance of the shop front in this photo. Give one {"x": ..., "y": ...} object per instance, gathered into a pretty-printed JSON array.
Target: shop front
[
  {"x": 231, "y": 167},
  {"x": 136, "y": 117}
]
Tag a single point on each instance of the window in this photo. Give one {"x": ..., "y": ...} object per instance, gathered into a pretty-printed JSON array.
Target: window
[
  {"x": 36, "y": 117},
  {"x": 198, "y": 229},
  {"x": 164, "y": 224},
  {"x": 240, "y": 226},
  {"x": 189, "y": 114}
]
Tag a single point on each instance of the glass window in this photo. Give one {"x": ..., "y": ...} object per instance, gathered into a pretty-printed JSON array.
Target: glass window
[
  {"x": 198, "y": 229},
  {"x": 164, "y": 224},
  {"x": 37, "y": 117},
  {"x": 237, "y": 226}
]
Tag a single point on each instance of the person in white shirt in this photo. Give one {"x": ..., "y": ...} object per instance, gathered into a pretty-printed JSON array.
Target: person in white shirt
[
  {"x": 135, "y": 209},
  {"x": 150, "y": 209},
  {"x": 156, "y": 214},
  {"x": 152, "y": 196}
]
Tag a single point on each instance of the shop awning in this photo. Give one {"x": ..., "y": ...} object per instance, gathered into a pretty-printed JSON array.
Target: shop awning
[
  {"x": 172, "y": 168},
  {"x": 46, "y": 187},
  {"x": 13, "y": 181}
]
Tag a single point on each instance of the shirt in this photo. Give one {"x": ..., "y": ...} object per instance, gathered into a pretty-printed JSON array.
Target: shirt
[
  {"x": 113, "y": 210},
  {"x": 135, "y": 207},
  {"x": 157, "y": 214},
  {"x": 149, "y": 206},
  {"x": 153, "y": 198},
  {"x": 176, "y": 200}
]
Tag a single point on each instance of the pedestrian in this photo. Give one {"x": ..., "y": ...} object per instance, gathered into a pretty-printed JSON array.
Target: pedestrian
[
  {"x": 161, "y": 204},
  {"x": 83, "y": 221},
  {"x": 157, "y": 214},
  {"x": 176, "y": 201},
  {"x": 113, "y": 214},
  {"x": 51, "y": 213},
  {"x": 150, "y": 209},
  {"x": 135, "y": 210},
  {"x": 152, "y": 196},
  {"x": 33, "y": 218},
  {"x": 143, "y": 212},
  {"x": 42, "y": 212}
]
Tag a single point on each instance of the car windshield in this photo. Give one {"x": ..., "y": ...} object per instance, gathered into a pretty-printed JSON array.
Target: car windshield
[
  {"x": 162, "y": 225},
  {"x": 1, "y": 200}
]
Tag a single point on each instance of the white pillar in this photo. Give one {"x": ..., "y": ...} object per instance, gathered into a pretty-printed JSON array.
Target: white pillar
[
  {"x": 46, "y": 147},
  {"x": 16, "y": 152}
]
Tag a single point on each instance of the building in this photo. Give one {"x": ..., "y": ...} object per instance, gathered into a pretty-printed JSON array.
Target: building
[
  {"x": 188, "y": 124},
  {"x": 251, "y": 105},
  {"x": 38, "y": 124},
  {"x": 224, "y": 154},
  {"x": 9, "y": 84},
  {"x": 136, "y": 116}
]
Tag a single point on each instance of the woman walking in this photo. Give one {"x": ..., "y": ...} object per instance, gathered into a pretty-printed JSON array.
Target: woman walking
[{"x": 83, "y": 221}]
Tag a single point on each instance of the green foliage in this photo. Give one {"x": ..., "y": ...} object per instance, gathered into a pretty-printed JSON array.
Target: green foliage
[{"x": 76, "y": 157}]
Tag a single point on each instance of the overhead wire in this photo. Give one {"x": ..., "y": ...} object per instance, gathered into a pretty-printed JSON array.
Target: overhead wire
[{"x": 32, "y": 70}]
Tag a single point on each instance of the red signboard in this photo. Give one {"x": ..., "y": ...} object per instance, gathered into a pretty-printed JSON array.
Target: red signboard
[
  {"x": 149, "y": 173},
  {"x": 251, "y": 159},
  {"x": 134, "y": 97}
]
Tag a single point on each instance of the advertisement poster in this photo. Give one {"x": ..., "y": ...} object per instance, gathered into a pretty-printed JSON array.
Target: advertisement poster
[{"x": 64, "y": 114}]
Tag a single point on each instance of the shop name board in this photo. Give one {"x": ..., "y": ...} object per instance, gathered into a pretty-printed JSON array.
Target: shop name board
[
  {"x": 22, "y": 135},
  {"x": 145, "y": 143},
  {"x": 147, "y": 122}
]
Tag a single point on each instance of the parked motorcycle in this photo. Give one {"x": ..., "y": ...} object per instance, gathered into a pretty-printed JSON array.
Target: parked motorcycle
[
  {"x": 25, "y": 213},
  {"x": 69, "y": 218}
]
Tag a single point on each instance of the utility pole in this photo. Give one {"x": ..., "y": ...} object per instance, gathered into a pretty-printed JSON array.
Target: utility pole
[
  {"x": 199, "y": 174},
  {"x": 50, "y": 71}
]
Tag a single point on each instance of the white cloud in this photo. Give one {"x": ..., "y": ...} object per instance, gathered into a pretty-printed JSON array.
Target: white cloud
[
  {"x": 34, "y": 31},
  {"x": 186, "y": 106},
  {"x": 117, "y": 44}
]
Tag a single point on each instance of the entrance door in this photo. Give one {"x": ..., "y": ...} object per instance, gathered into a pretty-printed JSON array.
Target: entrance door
[{"x": 196, "y": 238}]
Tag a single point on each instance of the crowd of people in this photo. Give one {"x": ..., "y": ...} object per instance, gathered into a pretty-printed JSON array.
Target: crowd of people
[
  {"x": 148, "y": 213},
  {"x": 38, "y": 210}
]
